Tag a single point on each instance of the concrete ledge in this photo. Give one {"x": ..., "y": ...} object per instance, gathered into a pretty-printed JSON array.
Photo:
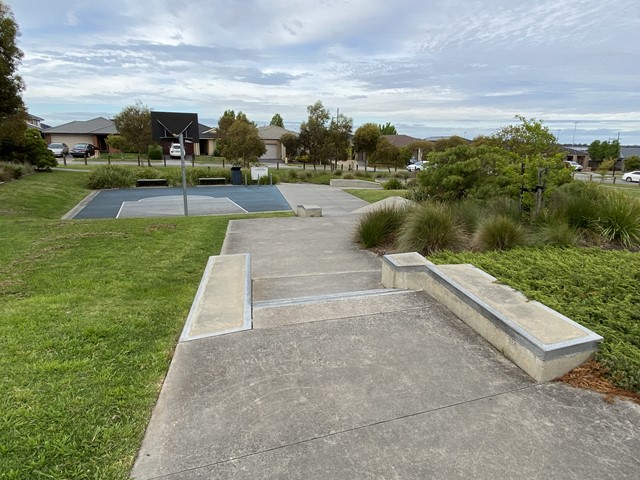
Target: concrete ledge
[
  {"x": 346, "y": 183},
  {"x": 223, "y": 301},
  {"x": 212, "y": 181},
  {"x": 542, "y": 342},
  {"x": 309, "y": 211}
]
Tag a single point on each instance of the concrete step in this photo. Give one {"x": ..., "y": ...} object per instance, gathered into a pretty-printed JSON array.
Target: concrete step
[{"x": 289, "y": 311}]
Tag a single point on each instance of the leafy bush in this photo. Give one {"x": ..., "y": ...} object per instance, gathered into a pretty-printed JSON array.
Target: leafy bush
[
  {"x": 154, "y": 152},
  {"x": 430, "y": 227},
  {"x": 500, "y": 232},
  {"x": 292, "y": 174},
  {"x": 418, "y": 193},
  {"x": 111, "y": 176},
  {"x": 557, "y": 233},
  {"x": 379, "y": 227},
  {"x": 13, "y": 171},
  {"x": 618, "y": 219},
  {"x": 393, "y": 184},
  {"x": 349, "y": 176}
]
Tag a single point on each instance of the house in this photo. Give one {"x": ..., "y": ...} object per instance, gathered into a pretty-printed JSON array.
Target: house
[
  {"x": 36, "y": 122},
  {"x": 93, "y": 131},
  {"x": 207, "y": 139},
  {"x": 576, "y": 154},
  {"x": 271, "y": 135}
]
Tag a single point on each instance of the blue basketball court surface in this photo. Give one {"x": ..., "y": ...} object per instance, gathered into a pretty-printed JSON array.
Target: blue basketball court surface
[{"x": 169, "y": 202}]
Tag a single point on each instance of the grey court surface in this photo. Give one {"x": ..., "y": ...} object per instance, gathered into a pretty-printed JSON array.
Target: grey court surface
[
  {"x": 163, "y": 202},
  {"x": 339, "y": 379}
]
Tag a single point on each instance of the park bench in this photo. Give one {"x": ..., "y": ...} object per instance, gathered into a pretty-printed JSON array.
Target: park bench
[
  {"x": 152, "y": 182},
  {"x": 212, "y": 181},
  {"x": 542, "y": 342}
]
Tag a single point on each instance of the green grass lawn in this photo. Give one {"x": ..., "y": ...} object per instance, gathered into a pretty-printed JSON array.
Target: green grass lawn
[
  {"x": 372, "y": 196},
  {"x": 90, "y": 314}
]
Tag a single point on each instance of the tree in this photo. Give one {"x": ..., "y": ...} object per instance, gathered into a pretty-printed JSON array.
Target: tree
[
  {"x": 387, "y": 129},
  {"x": 420, "y": 148},
  {"x": 632, "y": 163},
  {"x": 35, "y": 151},
  {"x": 528, "y": 138},
  {"x": 12, "y": 111},
  {"x": 314, "y": 133},
  {"x": 386, "y": 154},
  {"x": 291, "y": 143},
  {"x": 134, "y": 126},
  {"x": 365, "y": 139},
  {"x": 242, "y": 143},
  {"x": 338, "y": 137},
  {"x": 118, "y": 143},
  {"x": 449, "y": 142},
  {"x": 277, "y": 121},
  {"x": 599, "y": 151}
]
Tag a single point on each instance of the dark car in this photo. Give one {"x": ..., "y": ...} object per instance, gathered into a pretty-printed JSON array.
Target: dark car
[{"x": 83, "y": 149}]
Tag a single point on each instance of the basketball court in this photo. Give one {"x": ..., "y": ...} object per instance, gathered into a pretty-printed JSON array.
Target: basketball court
[{"x": 169, "y": 202}]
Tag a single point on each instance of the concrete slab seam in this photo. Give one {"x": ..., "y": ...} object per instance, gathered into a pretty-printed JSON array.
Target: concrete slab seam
[
  {"x": 248, "y": 294},
  {"x": 348, "y": 430},
  {"x": 322, "y": 298}
]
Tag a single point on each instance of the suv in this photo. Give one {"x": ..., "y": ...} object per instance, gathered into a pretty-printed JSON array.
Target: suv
[
  {"x": 174, "y": 151},
  {"x": 81, "y": 150}
]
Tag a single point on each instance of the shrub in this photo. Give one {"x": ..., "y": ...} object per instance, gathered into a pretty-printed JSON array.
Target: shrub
[
  {"x": 500, "y": 232},
  {"x": 505, "y": 206},
  {"x": 13, "y": 171},
  {"x": 349, "y": 176},
  {"x": 430, "y": 227},
  {"x": 558, "y": 233},
  {"x": 111, "y": 176},
  {"x": 468, "y": 213},
  {"x": 418, "y": 193},
  {"x": 154, "y": 152},
  {"x": 576, "y": 203},
  {"x": 292, "y": 174},
  {"x": 618, "y": 219},
  {"x": 379, "y": 227},
  {"x": 393, "y": 184}
]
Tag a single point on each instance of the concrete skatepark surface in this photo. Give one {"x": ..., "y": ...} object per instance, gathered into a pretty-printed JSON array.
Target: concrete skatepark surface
[{"x": 340, "y": 378}]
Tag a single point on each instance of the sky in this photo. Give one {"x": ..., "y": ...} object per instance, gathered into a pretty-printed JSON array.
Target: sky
[{"x": 429, "y": 67}]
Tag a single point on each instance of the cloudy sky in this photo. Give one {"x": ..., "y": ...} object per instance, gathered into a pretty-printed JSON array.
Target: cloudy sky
[{"x": 430, "y": 67}]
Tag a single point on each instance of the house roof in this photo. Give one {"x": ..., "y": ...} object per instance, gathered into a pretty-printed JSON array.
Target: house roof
[
  {"x": 98, "y": 126},
  {"x": 206, "y": 132},
  {"x": 273, "y": 132},
  {"x": 34, "y": 117},
  {"x": 400, "y": 140},
  {"x": 630, "y": 151}
]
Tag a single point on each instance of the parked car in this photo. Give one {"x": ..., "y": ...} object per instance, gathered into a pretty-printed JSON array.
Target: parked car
[
  {"x": 632, "y": 176},
  {"x": 59, "y": 149},
  {"x": 571, "y": 164},
  {"x": 174, "y": 151},
  {"x": 416, "y": 167},
  {"x": 80, "y": 150}
]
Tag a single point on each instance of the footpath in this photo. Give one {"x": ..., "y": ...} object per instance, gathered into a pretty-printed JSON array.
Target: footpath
[{"x": 340, "y": 378}]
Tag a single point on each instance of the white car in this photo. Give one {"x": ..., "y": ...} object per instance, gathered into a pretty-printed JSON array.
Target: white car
[
  {"x": 174, "y": 151},
  {"x": 59, "y": 149},
  {"x": 416, "y": 167},
  {"x": 575, "y": 165},
  {"x": 632, "y": 176}
]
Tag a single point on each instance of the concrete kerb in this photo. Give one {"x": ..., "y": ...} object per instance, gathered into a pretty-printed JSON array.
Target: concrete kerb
[
  {"x": 541, "y": 341},
  {"x": 83, "y": 203}
]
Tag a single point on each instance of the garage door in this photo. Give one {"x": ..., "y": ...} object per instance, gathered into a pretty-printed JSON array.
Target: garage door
[{"x": 272, "y": 153}]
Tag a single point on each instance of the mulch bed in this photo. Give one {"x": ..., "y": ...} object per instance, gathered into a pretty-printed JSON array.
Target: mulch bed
[{"x": 592, "y": 376}]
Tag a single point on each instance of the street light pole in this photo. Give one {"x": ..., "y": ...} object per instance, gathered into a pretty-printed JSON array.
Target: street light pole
[{"x": 184, "y": 175}]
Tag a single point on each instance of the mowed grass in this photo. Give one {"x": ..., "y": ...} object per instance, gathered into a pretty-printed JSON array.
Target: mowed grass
[
  {"x": 90, "y": 312},
  {"x": 372, "y": 196}
]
